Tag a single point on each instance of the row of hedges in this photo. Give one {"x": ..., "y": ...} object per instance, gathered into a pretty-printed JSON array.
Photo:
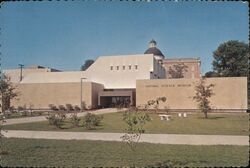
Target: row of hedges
[
  {"x": 89, "y": 121},
  {"x": 67, "y": 107}
]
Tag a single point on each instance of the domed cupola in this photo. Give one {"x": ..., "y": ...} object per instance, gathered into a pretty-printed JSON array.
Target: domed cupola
[{"x": 154, "y": 50}]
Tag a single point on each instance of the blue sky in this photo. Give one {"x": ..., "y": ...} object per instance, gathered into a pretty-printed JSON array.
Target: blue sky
[{"x": 63, "y": 35}]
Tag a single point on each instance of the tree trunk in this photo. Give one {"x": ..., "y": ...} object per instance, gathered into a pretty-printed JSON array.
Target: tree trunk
[{"x": 205, "y": 114}]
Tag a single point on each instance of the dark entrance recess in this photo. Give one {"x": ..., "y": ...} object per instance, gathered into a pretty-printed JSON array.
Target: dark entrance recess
[
  {"x": 115, "y": 98},
  {"x": 115, "y": 101}
]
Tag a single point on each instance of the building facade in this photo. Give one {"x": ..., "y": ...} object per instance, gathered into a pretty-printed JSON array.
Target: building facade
[{"x": 123, "y": 80}]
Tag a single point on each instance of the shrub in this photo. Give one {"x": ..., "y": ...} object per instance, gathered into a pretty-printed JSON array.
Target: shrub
[
  {"x": 11, "y": 109},
  {"x": 69, "y": 107},
  {"x": 53, "y": 107},
  {"x": 20, "y": 108},
  {"x": 83, "y": 105},
  {"x": 56, "y": 119},
  {"x": 39, "y": 112},
  {"x": 61, "y": 108},
  {"x": 91, "y": 120},
  {"x": 77, "y": 108},
  {"x": 75, "y": 120},
  {"x": 25, "y": 112}
]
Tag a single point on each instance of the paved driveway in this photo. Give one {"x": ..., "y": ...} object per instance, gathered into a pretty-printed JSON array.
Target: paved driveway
[{"x": 150, "y": 138}]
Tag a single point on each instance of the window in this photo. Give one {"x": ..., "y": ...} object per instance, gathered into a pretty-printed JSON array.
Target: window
[
  {"x": 117, "y": 67},
  {"x": 123, "y": 67},
  {"x": 129, "y": 67},
  {"x": 111, "y": 68},
  {"x": 136, "y": 66}
]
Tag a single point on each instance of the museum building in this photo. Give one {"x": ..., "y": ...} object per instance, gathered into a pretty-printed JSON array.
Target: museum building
[{"x": 126, "y": 79}]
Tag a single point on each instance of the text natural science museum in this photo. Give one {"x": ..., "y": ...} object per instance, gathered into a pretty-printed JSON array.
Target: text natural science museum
[{"x": 127, "y": 79}]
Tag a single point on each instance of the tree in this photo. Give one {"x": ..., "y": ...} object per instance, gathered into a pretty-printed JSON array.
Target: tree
[
  {"x": 202, "y": 95},
  {"x": 135, "y": 120},
  {"x": 8, "y": 92},
  {"x": 211, "y": 74},
  {"x": 86, "y": 64},
  {"x": 178, "y": 70},
  {"x": 231, "y": 59}
]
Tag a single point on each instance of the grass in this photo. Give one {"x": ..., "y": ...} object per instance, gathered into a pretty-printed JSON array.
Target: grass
[
  {"x": 216, "y": 124},
  {"x": 82, "y": 153}
]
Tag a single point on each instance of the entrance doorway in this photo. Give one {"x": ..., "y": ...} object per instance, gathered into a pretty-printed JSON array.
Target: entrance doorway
[
  {"x": 114, "y": 101},
  {"x": 115, "y": 98}
]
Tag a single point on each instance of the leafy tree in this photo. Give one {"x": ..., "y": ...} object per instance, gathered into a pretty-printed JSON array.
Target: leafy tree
[
  {"x": 2, "y": 146},
  {"x": 202, "y": 95},
  {"x": 7, "y": 93},
  {"x": 86, "y": 64},
  {"x": 211, "y": 74},
  {"x": 178, "y": 70},
  {"x": 135, "y": 120},
  {"x": 231, "y": 59}
]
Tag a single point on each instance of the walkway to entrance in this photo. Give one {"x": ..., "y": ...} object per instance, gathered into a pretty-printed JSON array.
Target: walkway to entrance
[{"x": 150, "y": 138}]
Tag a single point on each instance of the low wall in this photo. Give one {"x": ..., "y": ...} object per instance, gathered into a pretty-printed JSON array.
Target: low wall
[{"x": 230, "y": 94}]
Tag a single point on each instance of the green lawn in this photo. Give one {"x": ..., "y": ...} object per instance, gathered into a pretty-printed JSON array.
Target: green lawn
[
  {"x": 218, "y": 124},
  {"x": 62, "y": 153}
]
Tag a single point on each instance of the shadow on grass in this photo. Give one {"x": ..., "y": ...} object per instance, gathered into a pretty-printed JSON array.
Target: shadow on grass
[
  {"x": 170, "y": 164},
  {"x": 211, "y": 118},
  {"x": 69, "y": 127}
]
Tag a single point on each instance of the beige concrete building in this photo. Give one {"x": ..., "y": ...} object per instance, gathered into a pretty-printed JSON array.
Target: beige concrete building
[
  {"x": 230, "y": 94},
  {"x": 123, "y": 80}
]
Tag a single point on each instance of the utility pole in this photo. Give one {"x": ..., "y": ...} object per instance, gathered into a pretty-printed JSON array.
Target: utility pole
[{"x": 21, "y": 71}]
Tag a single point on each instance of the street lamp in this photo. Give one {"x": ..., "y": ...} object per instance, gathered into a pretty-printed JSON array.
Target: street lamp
[
  {"x": 21, "y": 72},
  {"x": 81, "y": 95}
]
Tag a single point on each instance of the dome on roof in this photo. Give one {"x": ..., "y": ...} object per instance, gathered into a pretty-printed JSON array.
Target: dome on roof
[{"x": 153, "y": 49}]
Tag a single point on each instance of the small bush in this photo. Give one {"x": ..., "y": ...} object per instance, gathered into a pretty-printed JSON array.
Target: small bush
[
  {"x": 75, "y": 120},
  {"x": 25, "y": 111},
  {"x": 91, "y": 120},
  {"x": 56, "y": 119},
  {"x": 77, "y": 108},
  {"x": 11, "y": 109},
  {"x": 39, "y": 113},
  {"x": 61, "y": 108},
  {"x": 53, "y": 107},
  {"x": 69, "y": 107},
  {"x": 20, "y": 108},
  {"x": 83, "y": 105}
]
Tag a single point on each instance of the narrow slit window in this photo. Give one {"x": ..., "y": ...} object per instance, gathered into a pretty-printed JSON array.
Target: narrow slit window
[
  {"x": 117, "y": 67},
  {"x": 136, "y": 66},
  {"x": 111, "y": 68},
  {"x": 123, "y": 67},
  {"x": 129, "y": 67}
]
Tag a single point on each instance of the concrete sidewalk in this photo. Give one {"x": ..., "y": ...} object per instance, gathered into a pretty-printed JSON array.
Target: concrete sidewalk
[
  {"x": 43, "y": 118},
  {"x": 150, "y": 138}
]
